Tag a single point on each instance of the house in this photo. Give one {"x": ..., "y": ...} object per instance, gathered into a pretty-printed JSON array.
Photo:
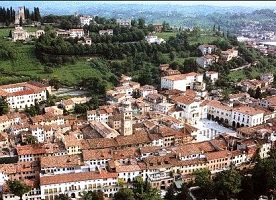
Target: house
[
  {"x": 73, "y": 184},
  {"x": 212, "y": 75},
  {"x": 174, "y": 82},
  {"x": 267, "y": 77},
  {"x": 124, "y": 22},
  {"x": 218, "y": 160},
  {"x": 19, "y": 34},
  {"x": 229, "y": 54},
  {"x": 207, "y": 49},
  {"x": 85, "y": 20},
  {"x": 106, "y": 32},
  {"x": 158, "y": 27},
  {"x": 76, "y": 33},
  {"x": 154, "y": 39},
  {"x": 206, "y": 60},
  {"x": 25, "y": 94}
]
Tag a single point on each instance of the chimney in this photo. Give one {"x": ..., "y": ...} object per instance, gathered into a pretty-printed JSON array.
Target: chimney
[{"x": 79, "y": 161}]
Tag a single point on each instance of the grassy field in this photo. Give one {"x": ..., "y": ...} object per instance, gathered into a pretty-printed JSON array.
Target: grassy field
[
  {"x": 25, "y": 65},
  {"x": 240, "y": 75},
  {"x": 203, "y": 39},
  {"x": 166, "y": 35}
]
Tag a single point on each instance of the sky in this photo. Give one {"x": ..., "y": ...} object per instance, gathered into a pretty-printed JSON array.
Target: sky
[{"x": 257, "y": 4}]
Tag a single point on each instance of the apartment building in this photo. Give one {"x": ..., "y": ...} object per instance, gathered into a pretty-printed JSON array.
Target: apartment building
[
  {"x": 85, "y": 20},
  {"x": 207, "y": 49},
  {"x": 73, "y": 184},
  {"x": 25, "y": 94}
]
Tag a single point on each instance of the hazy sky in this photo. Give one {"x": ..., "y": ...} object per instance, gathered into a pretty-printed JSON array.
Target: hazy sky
[
  {"x": 214, "y": 3},
  {"x": 268, "y": 4}
]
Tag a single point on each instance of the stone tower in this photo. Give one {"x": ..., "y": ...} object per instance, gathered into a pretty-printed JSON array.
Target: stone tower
[
  {"x": 20, "y": 14},
  {"x": 126, "y": 120}
]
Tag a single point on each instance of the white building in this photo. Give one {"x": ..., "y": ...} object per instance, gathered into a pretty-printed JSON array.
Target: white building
[
  {"x": 73, "y": 184},
  {"x": 212, "y": 75},
  {"x": 267, "y": 77},
  {"x": 207, "y": 49},
  {"x": 106, "y": 32},
  {"x": 24, "y": 94},
  {"x": 124, "y": 22},
  {"x": 246, "y": 116},
  {"x": 191, "y": 109},
  {"x": 182, "y": 82},
  {"x": 206, "y": 60},
  {"x": 76, "y": 33},
  {"x": 104, "y": 130},
  {"x": 85, "y": 20},
  {"x": 174, "y": 82},
  {"x": 154, "y": 39}
]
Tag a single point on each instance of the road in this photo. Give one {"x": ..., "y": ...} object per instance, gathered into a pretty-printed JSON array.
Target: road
[
  {"x": 68, "y": 92},
  {"x": 242, "y": 67}
]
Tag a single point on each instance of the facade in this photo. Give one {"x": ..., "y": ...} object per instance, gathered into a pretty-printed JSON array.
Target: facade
[
  {"x": 25, "y": 94},
  {"x": 124, "y": 22},
  {"x": 154, "y": 39},
  {"x": 76, "y": 33},
  {"x": 74, "y": 183},
  {"x": 207, "y": 49},
  {"x": 126, "y": 123},
  {"x": 206, "y": 60},
  {"x": 229, "y": 54},
  {"x": 212, "y": 75},
  {"x": 85, "y": 20},
  {"x": 20, "y": 15},
  {"x": 174, "y": 82},
  {"x": 106, "y": 32}
]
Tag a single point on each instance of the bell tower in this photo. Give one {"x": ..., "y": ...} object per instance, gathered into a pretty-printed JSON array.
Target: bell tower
[{"x": 126, "y": 120}]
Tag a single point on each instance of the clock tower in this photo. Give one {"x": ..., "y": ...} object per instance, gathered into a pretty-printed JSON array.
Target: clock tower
[{"x": 126, "y": 120}]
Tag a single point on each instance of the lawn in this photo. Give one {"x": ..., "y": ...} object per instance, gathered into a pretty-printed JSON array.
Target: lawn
[
  {"x": 4, "y": 32},
  {"x": 203, "y": 39},
  {"x": 236, "y": 75},
  {"x": 166, "y": 35}
]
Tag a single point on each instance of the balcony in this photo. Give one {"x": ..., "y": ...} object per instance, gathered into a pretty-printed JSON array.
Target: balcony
[{"x": 160, "y": 176}]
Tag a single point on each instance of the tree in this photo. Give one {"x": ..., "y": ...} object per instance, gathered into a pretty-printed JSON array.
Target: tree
[
  {"x": 172, "y": 55},
  {"x": 124, "y": 194},
  {"x": 247, "y": 188},
  {"x": 184, "y": 193},
  {"x": 54, "y": 82},
  {"x": 18, "y": 188},
  {"x": 62, "y": 197},
  {"x": 258, "y": 93},
  {"x": 4, "y": 106},
  {"x": 170, "y": 194},
  {"x": 95, "y": 195},
  {"x": 214, "y": 28},
  {"x": 20, "y": 21},
  {"x": 141, "y": 23},
  {"x": 227, "y": 184},
  {"x": 31, "y": 139},
  {"x": 204, "y": 181}
]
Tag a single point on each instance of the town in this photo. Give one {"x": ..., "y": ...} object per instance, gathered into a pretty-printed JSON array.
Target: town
[{"x": 166, "y": 134}]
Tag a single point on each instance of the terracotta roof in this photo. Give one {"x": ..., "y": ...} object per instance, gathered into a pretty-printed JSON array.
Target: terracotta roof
[
  {"x": 248, "y": 110},
  {"x": 218, "y": 104},
  {"x": 73, "y": 177},
  {"x": 98, "y": 154},
  {"x": 217, "y": 155},
  {"x": 127, "y": 168},
  {"x": 211, "y": 72},
  {"x": 30, "y": 149},
  {"x": 125, "y": 153},
  {"x": 8, "y": 168},
  {"x": 184, "y": 99},
  {"x": 175, "y": 77},
  {"x": 60, "y": 161}
]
